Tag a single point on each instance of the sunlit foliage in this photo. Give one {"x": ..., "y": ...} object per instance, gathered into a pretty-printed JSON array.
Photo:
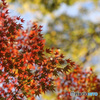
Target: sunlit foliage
[{"x": 25, "y": 68}]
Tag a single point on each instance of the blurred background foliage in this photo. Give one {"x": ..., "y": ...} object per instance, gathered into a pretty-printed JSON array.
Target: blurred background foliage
[
  {"x": 49, "y": 5},
  {"x": 77, "y": 38}
]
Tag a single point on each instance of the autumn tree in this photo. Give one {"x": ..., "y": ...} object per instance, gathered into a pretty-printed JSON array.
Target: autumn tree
[{"x": 26, "y": 68}]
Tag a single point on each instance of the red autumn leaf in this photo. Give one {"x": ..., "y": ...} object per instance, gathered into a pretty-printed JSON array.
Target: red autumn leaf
[
  {"x": 22, "y": 20},
  {"x": 68, "y": 60},
  {"x": 48, "y": 50},
  {"x": 18, "y": 18}
]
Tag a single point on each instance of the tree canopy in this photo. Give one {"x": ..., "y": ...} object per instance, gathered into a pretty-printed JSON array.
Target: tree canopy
[
  {"x": 25, "y": 69},
  {"x": 28, "y": 67}
]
